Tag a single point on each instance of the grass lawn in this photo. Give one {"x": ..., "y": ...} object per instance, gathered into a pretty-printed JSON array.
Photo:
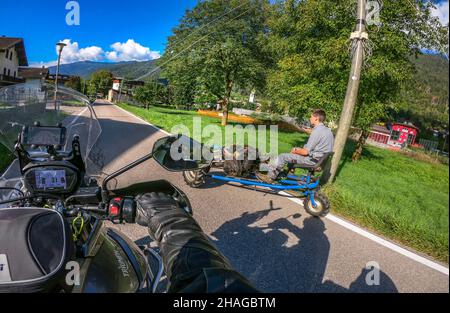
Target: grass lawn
[
  {"x": 165, "y": 118},
  {"x": 402, "y": 198},
  {"x": 75, "y": 103},
  {"x": 6, "y": 157}
]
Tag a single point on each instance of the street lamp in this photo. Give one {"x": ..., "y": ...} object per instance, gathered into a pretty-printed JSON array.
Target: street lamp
[{"x": 60, "y": 46}]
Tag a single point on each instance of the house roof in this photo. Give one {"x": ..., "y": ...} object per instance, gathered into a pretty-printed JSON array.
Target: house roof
[
  {"x": 33, "y": 72},
  {"x": 381, "y": 129},
  {"x": 410, "y": 125},
  {"x": 9, "y": 42}
]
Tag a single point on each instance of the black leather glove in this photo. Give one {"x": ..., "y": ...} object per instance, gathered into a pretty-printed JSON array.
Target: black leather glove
[
  {"x": 151, "y": 204},
  {"x": 193, "y": 264}
]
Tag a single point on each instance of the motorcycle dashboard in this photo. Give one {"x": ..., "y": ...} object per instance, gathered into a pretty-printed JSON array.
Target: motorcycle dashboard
[{"x": 55, "y": 179}]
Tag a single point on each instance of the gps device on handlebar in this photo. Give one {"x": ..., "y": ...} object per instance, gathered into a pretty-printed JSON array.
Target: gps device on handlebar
[{"x": 43, "y": 136}]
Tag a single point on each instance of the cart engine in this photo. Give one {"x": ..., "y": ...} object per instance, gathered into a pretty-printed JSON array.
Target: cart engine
[{"x": 240, "y": 161}]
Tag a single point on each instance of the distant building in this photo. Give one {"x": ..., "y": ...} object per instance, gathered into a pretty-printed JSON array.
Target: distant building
[
  {"x": 12, "y": 55},
  {"x": 403, "y": 134},
  {"x": 62, "y": 79},
  {"x": 122, "y": 90},
  {"x": 399, "y": 135},
  {"x": 34, "y": 76},
  {"x": 380, "y": 134}
]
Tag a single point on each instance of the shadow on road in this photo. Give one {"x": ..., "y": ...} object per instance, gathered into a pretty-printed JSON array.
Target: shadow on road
[
  {"x": 283, "y": 257},
  {"x": 212, "y": 183}
]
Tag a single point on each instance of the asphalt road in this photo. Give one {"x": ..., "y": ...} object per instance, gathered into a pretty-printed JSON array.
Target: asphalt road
[{"x": 268, "y": 238}]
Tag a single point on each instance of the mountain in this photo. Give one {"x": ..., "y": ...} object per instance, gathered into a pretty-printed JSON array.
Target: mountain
[
  {"x": 432, "y": 71},
  {"x": 425, "y": 101},
  {"x": 130, "y": 70}
]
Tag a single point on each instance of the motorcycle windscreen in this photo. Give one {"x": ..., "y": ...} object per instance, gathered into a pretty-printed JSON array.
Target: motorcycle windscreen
[{"x": 22, "y": 105}]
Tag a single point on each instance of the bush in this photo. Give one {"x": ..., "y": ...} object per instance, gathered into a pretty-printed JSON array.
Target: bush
[
  {"x": 425, "y": 156},
  {"x": 267, "y": 117},
  {"x": 204, "y": 106},
  {"x": 246, "y": 105},
  {"x": 6, "y": 157}
]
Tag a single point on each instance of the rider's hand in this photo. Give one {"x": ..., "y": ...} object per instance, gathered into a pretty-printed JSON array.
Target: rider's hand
[
  {"x": 152, "y": 204},
  {"x": 191, "y": 261}
]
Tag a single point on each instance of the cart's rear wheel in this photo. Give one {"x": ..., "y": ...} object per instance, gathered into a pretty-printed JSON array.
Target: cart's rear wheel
[
  {"x": 322, "y": 207},
  {"x": 196, "y": 179}
]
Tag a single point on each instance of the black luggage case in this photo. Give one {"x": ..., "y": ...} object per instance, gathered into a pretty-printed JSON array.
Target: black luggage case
[{"x": 35, "y": 246}]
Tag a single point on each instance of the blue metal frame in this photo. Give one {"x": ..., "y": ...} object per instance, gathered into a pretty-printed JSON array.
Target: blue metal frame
[
  {"x": 292, "y": 182},
  {"x": 292, "y": 185}
]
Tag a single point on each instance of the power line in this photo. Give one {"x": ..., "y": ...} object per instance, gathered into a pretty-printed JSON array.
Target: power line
[
  {"x": 195, "y": 32},
  {"x": 425, "y": 22},
  {"x": 195, "y": 42}
]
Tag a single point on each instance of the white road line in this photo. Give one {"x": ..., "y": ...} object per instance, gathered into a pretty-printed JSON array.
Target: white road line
[
  {"x": 78, "y": 116},
  {"x": 411, "y": 255},
  {"x": 388, "y": 244}
]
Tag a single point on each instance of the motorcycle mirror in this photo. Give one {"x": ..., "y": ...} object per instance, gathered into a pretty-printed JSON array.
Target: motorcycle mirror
[{"x": 179, "y": 153}]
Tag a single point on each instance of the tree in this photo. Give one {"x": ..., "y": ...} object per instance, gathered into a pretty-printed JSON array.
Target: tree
[
  {"x": 74, "y": 82},
  {"x": 310, "y": 41},
  {"x": 390, "y": 70},
  {"x": 91, "y": 89},
  {"x": 217, "y": 47},
  {"x": 144, "y": 95},
  {"x": 101, "y": 81},
  {"x": 151, "y": 93}
]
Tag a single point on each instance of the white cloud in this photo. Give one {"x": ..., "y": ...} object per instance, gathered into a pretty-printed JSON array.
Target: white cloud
[
  {"x": 131, "y": 51},
  {"x": 72, "y": 53},
  {"x": 441, "y": 11},
  {"x": 43, "y": 64},
  {"x": 128, "y": 51}
]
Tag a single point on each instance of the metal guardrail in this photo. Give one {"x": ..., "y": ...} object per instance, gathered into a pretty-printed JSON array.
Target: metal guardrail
[
  {"x": 16, "y": 95},
  {"x": 429, "y": 145}
]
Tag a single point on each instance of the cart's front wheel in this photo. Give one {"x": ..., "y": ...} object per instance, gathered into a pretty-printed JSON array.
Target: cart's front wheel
[
  {"x": 321, "y": 206},
  {"x": 196, "y": 179}
]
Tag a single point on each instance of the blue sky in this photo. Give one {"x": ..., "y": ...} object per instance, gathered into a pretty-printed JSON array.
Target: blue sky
[
  {"x": 103, "y": 23},
  {"x": 109, "y": 30}
]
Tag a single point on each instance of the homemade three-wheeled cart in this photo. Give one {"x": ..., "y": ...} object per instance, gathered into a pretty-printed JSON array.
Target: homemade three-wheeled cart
[{"x": 242, "y": 174}]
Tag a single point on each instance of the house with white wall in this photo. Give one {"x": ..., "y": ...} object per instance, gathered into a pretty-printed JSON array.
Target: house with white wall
[
  {"x": 34, "y": 75},
  {"x": 12, "y": 56}
]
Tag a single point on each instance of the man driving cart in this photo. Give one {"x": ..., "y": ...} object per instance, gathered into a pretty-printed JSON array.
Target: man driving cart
[{"x": 320, "y": 143}]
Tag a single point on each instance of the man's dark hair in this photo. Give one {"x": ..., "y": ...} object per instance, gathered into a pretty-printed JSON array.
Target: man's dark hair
[{"x": 320, "y": 114}]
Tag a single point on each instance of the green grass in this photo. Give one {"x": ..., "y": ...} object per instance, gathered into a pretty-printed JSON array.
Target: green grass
[
  {"x": 165, "y": 118},
  {"x": 6, "y": 157},
  {"x": 73, "y": 103},
  {"x": 399, "y": 197}
]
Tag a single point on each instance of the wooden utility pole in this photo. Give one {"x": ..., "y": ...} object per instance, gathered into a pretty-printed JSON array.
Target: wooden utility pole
[{"x": 358, "y": 37}]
